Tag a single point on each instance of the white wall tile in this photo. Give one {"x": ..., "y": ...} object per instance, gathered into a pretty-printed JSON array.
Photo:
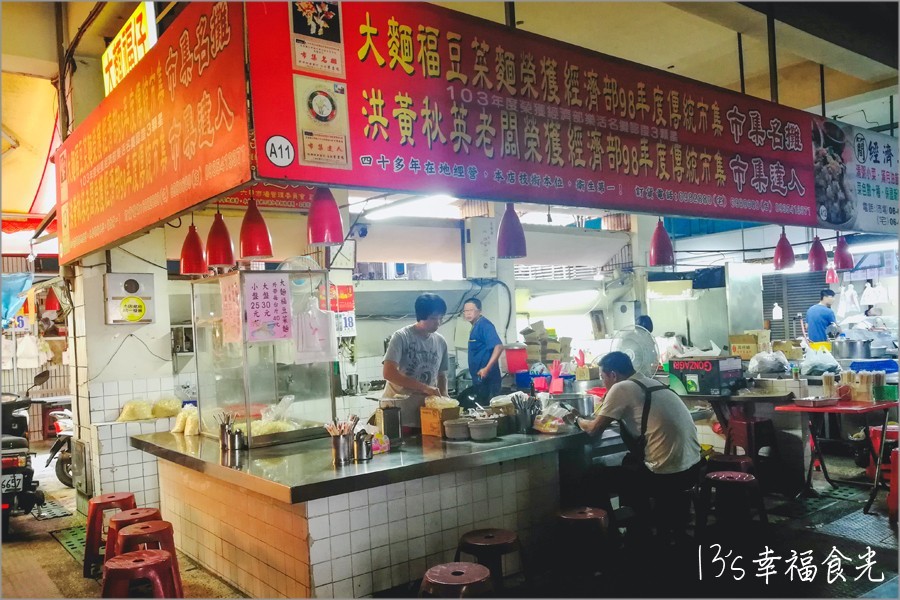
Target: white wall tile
[
  {"x": 359, "y": 518},
  {"x": 340, "y": 546},
  {"x": 395, "y": 491},
  {"x": 448, "y": 480},
  {"x": 360, "y": 540},
  {"x": 359, "y": 498},
  {"x": 319, "y": 527},
  {"x": 432, "y": 522},
  {"x": 378, "y": 494},
  {"x": 397, "y": 531},
  {"x": 381, "y": 579},
  {"x": 320, "y": 550},
  {"x": 110, "y": 388},
  {"x": 338, "y": 503},
  {"x": 318, "y": 507},
  {"x": 379, "y": 535},
  {"x": 321, "y": 574},
  {"x": 431, "y": 484},
  {"x": 139, "y": 386},
  {"x": 361, "y": 562},
  {"x": 414, "y": 506},
  {"x": 344, "y": 588},
  {"x": 340, "y": 522},
  {"x": 381, "y": 558},
  {"x": 448, "y": 497},
  {"x": 431, "y": 501},
  {"x": 378, "y": 513},
  {"x": 399, "y": 553},
  {"x": 414, "y": 487}
]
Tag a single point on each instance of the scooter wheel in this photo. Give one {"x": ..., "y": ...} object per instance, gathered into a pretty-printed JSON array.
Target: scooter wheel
[{"x": 64, "y": 471}]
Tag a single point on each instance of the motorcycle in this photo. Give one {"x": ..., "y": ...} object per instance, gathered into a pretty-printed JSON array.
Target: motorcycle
[
  {"x": 20, "y": 492},
  {"x": 65, "y": 429}
]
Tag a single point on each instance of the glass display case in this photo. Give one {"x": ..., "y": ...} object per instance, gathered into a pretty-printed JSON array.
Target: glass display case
[{"x": 265, "y": 351}]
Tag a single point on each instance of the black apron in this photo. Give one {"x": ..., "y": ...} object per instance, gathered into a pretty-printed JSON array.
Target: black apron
[{"x": 637, "y": 445}]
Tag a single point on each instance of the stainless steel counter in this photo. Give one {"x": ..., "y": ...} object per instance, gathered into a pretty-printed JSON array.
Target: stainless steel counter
[{"x": 303, "y": 471}]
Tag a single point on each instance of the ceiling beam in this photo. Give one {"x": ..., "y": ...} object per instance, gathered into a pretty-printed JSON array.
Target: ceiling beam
[{"x": 868, "y": 28}]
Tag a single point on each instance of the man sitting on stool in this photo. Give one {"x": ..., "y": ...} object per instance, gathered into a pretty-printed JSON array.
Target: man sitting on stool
[{"x": 664, "y": 458}]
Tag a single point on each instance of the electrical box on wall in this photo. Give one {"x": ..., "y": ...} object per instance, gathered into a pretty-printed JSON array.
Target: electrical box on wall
[
  {"x": 480, "y": 248},
  {"x": 625, "y": 314},
  {"x": 128, "y": 298}
]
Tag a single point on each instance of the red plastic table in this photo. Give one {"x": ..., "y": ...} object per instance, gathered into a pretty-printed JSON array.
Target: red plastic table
[{"x": 844, "y": 407}]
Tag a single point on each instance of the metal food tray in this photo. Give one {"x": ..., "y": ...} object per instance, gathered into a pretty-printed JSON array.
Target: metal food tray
[{"x": 815, "y": 402}]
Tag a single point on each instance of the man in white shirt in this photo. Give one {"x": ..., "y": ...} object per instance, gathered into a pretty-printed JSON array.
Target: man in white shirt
[{"x": 668, "y": 441}]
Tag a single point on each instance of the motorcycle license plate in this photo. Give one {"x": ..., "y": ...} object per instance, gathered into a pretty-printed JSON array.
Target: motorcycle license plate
[{"x": 12, "y": 482}]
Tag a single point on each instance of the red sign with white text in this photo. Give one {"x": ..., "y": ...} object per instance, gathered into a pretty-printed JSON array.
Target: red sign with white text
[
  {"x": 437, "y": 101},
  {"x": 172, "y": 133}
]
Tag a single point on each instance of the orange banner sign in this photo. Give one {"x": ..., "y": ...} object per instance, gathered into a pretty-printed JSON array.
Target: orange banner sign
[{"x": 172, "y": 134}]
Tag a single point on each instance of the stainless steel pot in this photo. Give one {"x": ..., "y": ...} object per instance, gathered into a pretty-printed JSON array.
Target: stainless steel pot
[
  {"x": 583, "y": 403},
  {"x": 845, "y": 348}
]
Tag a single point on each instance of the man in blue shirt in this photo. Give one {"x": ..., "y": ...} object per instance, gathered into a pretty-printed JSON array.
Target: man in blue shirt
[
  {"x": 820, "y": 316},
  {"x": 485, "y": 348}
]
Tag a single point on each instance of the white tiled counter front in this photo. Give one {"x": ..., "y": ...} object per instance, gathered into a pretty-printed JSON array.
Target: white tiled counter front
[{"x": 356, "y": 543}]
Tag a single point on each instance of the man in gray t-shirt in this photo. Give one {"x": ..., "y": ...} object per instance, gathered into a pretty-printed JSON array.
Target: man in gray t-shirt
[{"x": 416, "y": 361}]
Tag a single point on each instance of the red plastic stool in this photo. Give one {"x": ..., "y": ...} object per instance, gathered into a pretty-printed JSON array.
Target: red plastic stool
[
  {"x": 584, "y": 530},
  {"x": 141, "y": 536},
  {"x": 94, "y": 534},
  {"x": 751, "y": 434},
  {"x": 729, "y": 462},
  {"x": 731, "y": 482},
  {"x": 488, "y": 547},
  {"x": 123, "y": 519},
  {"x": 153, "y": 565},
  {"x": 456, "y": 580},
  {"x": 894, "y": 483}
]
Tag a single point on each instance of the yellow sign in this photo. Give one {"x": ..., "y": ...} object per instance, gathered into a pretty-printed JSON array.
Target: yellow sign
[
  {"x": 135, "y": 38},
  {"x": 132, "y": 309}
]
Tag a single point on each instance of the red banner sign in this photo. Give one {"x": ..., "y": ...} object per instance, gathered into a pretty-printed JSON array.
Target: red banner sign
[
  {"x": 436, "y": 101},
  {"x": 173, "y": 133}
]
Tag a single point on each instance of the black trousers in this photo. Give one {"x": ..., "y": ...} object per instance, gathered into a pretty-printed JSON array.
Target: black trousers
[{"x": 659, "y": 500}]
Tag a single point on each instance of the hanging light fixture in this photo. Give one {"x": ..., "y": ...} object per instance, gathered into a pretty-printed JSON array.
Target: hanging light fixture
[
  {"x": 323, "y": 224},
  {"x": 843, "y": 260},
  {"x": 219, "y": 247},
  {"x": 784, "y": 253},
  {"x": 661, "y": 252},
  {"x": 255, "y": 239},
  {"x": 51, "y": 302},
  {"x": 831, "y": 275},
  {"x": 192, "y": 260},
  {"x": 511, "y": 236},
  {"x": 817, "y": 258}
]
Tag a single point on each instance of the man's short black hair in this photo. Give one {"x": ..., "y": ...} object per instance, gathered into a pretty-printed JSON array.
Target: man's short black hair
[
  {"x": 617, "y": 362},
  {"x": 824, "y": 293},
  {"x": 474, "y": 301},
  {"x": 429, "y": 304}
]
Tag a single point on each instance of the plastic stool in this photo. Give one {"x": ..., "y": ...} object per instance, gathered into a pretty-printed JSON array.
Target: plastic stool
[
  {"x": 751, "y": 434},
  {"x": 729, "y": 462},
  {"x": 894, "y": 482},
  {"x": 584, "y": 529},
  {"x": 729, "y": 481},
  {"x": 154, "y": 565},
  {"x": 94, "y": 533},
  {"x": 141, "y": 535},
  {"x": 123, "y": 519},
  {"x": 488, "y": 547},
  {"x": 456, "y": 580}
]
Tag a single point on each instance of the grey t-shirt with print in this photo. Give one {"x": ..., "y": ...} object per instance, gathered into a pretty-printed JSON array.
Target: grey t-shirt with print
[{"x": 419, "y": 357}]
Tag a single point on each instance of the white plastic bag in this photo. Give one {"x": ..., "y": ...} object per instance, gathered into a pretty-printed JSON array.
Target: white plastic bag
[
  {"x": 817, "y": 362},
  {"x": 316, "y": 336},
  {"x": 768, "y": 362}
]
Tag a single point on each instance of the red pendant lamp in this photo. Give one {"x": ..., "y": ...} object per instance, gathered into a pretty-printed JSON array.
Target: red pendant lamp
[
  {"x": 831, "y": 275},
  {"x": 219, "y": 247},
  {"x": 817, "y": 258},
  {"x": 843, "y": 260},
  {"x": 51, "y": 302},
  {"x": 323, "y": 224},
  {"x": 511, "y": 235},
  {"x": 255, "y": 239},
  {"x": 193, "y": 262},
  {"x": 784, "y": 253},
  {"x": 661, "y": 252}
]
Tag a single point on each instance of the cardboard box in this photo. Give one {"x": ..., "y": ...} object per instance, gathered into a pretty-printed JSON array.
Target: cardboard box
[
  {"x": 534, "y": 332},
  {"x": 763, "y": 336},
  {"x": 707, "y": 375},
  {"x": 791, "y": 350},
  {"x": 586, "y": 373},
  {"x": 552, "y": 346},
  {"x": 433, "y": 419},
  {"x": 744, "y": 345}
]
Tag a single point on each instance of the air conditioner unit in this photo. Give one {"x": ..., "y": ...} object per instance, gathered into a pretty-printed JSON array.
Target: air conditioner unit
[{"x": 480, "y": 248}]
